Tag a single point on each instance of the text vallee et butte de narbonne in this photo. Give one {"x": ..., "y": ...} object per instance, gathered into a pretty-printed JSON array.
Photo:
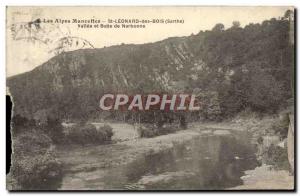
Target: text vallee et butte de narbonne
[{"x": 178, "y": 102}]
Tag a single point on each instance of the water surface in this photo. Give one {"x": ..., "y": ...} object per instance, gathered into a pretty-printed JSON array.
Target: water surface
[{"x": 209, "y": 159}]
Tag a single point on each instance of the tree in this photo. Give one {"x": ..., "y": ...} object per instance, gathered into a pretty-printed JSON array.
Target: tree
[
  {"x": 236, "y": 24},
  {"x": 288, "y": 14},
  {"x": 218, "y": 27}
]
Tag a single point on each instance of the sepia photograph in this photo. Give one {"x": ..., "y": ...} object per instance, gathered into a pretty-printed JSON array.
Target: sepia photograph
[{"x": 150, "y": 98}]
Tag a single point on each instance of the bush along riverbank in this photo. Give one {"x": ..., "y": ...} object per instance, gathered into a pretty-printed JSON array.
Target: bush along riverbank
[
  {"x": 34, "y": 164},
  {"x": 273, "y": 137}
]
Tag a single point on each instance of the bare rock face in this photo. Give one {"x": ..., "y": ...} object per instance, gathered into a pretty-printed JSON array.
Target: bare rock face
[{"x": 80, "y": 77}]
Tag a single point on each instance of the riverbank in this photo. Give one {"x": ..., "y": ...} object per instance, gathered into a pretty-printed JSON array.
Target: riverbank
[
  {"x": 266, "y": 178},
  {"x": 139, "y": 162},
  {"x": 136, "y": 163}
]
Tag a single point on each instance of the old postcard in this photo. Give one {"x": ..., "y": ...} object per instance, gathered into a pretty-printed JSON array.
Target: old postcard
[{"x": 151, "y": 98}]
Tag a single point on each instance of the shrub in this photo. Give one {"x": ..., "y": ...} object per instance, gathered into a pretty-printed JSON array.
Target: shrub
[
  {"x": 168, "y": 129},
  {"x": 54, "y": 130},
  {"x": 89, "y": 134},
  {"x": 149, "y": 131},
  {"x": 31, "y": 142},
  {"x": 34, "y": 165},
  {"x": 108, "y": 130},
  {"x": 37, "y": 172},
  {"x": 277, "y": 157},
  {"x": 146, "y": 132},
  {"x": 19, "y": 123},
  {"x": 281, "y": 126}
]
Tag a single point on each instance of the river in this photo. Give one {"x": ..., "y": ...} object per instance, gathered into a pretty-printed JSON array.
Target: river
[{"x": 198, "y": 158}]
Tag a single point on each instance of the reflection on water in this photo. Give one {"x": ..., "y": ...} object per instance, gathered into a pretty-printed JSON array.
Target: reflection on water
[{"x": 206, "y": 162}]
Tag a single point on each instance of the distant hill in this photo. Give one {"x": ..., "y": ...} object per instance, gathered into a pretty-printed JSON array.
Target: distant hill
[{"x": 250, "y": 67}]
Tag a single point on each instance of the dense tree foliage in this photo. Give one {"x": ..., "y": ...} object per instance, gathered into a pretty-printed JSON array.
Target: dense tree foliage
[{"x": 250, "y": 67}]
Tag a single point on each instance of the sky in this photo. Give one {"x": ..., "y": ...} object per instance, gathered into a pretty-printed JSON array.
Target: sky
[{"x": 26, "y": 50}]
